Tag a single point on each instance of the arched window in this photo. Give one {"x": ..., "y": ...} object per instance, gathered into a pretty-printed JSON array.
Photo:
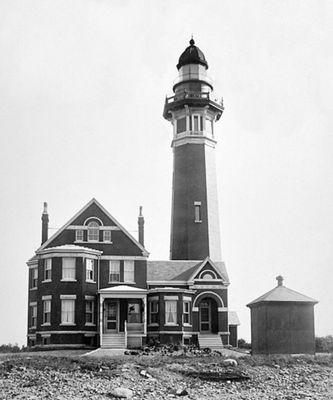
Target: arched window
[{"x": 93, "y": 231}]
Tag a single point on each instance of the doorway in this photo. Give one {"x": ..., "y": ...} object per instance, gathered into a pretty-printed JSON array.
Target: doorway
[
  {"x": 111, "y": 316},
  {"x": 208, "y": 318}
]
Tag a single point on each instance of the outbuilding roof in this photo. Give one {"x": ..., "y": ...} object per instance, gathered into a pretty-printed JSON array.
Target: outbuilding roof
[{"x": 282, "y": 294}]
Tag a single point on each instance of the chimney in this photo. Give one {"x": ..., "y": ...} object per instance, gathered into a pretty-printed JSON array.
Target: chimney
[
  {"x": 141, "y": 222},
  {"x": 45, "y": 224},
  {"x": 280, "y": 280}
]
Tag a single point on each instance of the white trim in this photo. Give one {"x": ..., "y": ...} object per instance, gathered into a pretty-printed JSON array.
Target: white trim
[
  {"x": 63, "y": 332},
  {"x": 176, "y": 283},
  {"x": 222, "y": 309},
  {"x": 205, "y": 271},
  {"x": 223, "y": 333},
  {"x": 194, "y": 139},
  {"x": 32, "y": 263},
  {"x": 85, "y": 228},
  {"x": 67, "y": 324},
  {"x": 93, "y": 201},
  {"x": 33, "y": 303},
  {"x": 68, "y": 297},
  {"x": 170, "y": 290},
  {"x": 33, "y": 288},
  {"x": 171, "y": 297},
  {"x": 98, "y": 219},
  {"x": 171, "y": 324},
  {"x": 89, "y": 334},
  {"x": 48, "y": 297},
  {"x": 89, "y": 324},
  {"x": 46, "y": 324},
  {"x": 87, "y": 297},
  {"x": 120, "y": 258},
  {"x": 195, "y": 309},
  {"x": 31, "y": 336},
  {"x": 205, "y": 293},
  {"x": 187, "y": 298},
  {"x": 69, "y": 254},
  {"x": 68, "y": 280},
  {"x": 46, "y": 335},
  {"x": 195, "y": 287},
  {"x": 197, "y": 203},
  {"x": 47, "y": 280}
]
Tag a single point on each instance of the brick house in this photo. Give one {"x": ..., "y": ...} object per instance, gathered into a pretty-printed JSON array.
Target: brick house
[{"x": 91, "y": 283}]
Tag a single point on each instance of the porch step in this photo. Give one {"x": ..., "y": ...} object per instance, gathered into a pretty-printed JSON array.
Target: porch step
[
  {"x": 113, "y": 341},
  {"x": 214, "y": 342}
]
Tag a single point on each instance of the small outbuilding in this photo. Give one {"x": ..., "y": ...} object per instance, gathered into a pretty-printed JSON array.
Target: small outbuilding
[{"x": 282, "y": 321}]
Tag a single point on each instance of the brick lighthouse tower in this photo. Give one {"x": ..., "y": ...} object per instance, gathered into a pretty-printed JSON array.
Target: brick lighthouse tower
[{"x": 193, "y": 111}]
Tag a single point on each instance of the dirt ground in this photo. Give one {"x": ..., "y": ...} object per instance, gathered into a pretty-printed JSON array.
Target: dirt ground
[{"x": 67, "y": 375}]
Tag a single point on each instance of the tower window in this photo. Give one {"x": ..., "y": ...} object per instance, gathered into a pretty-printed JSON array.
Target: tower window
[
  {"x": 196, "y": 123},
  {"x": 93, "y": 231},
  {"x": 197, "y": 211},
  {"x": 181, "y": 125}
]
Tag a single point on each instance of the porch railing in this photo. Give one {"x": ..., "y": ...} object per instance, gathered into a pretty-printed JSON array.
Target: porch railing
[{"x": 125, "y": 329}]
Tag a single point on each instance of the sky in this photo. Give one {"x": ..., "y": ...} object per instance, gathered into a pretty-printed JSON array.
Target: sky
[{"x": 83, "y": 84}]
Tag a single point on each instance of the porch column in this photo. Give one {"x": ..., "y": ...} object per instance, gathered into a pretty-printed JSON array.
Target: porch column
[
  {"x": 101, "y": 301},
  {"x": 144, "y": 314}
]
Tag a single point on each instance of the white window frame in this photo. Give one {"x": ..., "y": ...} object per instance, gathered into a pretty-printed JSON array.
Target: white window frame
[
  {"x": 197, "y": 212},
  {"x": 34, "y": 278},
  {"x": 114, "y": 270},
  {"x": 79, "y": 235},
  {"x": 90, "y": 270},
  {"x": 200, "y": 123},
  {"x": 107, "y": 236},
  {"x": 47, "y": 270},
  {"x": 129, "y": 271},
  {"x": 186, "y": 312},
  {"x": 33, "y": 316},
  {"x": 153, "y": 312},
  {"x": 171, "y": 312},
  {"x": 66, "y": 276},
  {"x": 47, "y": 312},
  {"x": 68, "y": 316},
  {"x": 93, "y": 231},
  {"x": 90, "y": 312}
]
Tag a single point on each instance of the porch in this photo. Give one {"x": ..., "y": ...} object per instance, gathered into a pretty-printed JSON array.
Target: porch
[{"x": 122, "y": 316}]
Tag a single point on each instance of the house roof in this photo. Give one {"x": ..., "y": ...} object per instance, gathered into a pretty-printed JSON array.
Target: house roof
[
  {"x": 233, "y": 318},
  {"x": 282, "y": 294},
  {"x": 93, "y": 200},
  {"x": 122, "y": 288},
  {"x": 180, "y": 270}
]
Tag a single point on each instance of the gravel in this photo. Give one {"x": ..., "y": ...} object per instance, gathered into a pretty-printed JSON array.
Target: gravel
[{"x": 155, "y": 377}]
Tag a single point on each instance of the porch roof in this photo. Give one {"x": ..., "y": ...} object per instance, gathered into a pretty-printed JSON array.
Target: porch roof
[{"x": 123, "y": 289}]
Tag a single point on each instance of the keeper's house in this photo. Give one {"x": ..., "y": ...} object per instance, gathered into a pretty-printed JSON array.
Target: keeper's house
[{"x": 90, "y": 285}]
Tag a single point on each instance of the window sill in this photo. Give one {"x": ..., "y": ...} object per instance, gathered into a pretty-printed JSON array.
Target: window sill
[
  {"x": 33, "y": 288},
  {"x": 46, "y": 324},
  {"x": 67, "y": 324},
  {"x": 33, "y": 327},
  {"x": 197, "y": 222},
  {"x": 171, "y": 324},
  {"x": 115, "y": 282},
  {"x": 89, "y": 324},
  {"x": 93, "y": 241},
  {"x": 47, "y": 280},
  {"x": 90, "y": 281},
  {"x": 154, "y": 324},
  {"x": 188, "y": 325},
  {"x": 68, "y": 280}
]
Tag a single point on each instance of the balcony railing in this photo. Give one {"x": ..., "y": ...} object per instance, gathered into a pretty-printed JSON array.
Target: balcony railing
[{"x": 193, "y": 95}]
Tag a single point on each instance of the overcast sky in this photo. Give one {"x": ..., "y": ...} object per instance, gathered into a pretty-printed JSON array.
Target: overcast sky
[{"x": 82, "y": 89}]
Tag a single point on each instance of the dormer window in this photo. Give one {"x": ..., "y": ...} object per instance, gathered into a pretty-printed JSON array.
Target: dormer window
[{"x": 93, "y": 231}]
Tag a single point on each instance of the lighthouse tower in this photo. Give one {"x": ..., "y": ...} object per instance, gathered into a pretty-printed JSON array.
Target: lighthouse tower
[{"x": 193, "y": 112}]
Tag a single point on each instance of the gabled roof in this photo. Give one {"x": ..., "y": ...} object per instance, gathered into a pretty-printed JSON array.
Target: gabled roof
[
  {"x": 282, "y": 294},
  {"x": 233, "y": 318},
  {"x": 181, "y": 270},
  {"x": 93, "y": 200}
]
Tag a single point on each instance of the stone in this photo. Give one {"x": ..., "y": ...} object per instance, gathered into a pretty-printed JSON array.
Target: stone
[
  {"x": 230, "y": 362},
  {"x": 121, "y": 393},
  {"x": 181, "y": 392}
]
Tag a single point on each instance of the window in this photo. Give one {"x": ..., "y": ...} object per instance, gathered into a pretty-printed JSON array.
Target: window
[
  {"x": 170, "y": 312},
  {"x": 34, "y": 316},
  {"x": 79, "y": 235},
  {"x": 68, "y": 269},
  {"x": 89, "y": 312},
  {"x": 129, "y": 271},
  {"x": 134, "y": 313},
  {"x": 106, "y": 236},
  {"x": 181, "y": 125},
  {"x": 153, "y": 312},
  {"x": 207, "y": 276},
  {"x": 68, "y": 311},
  {"x": 93, "y": 231},
  {"x": 197, "y": 211},
  {"x": 47, "y": 269},
  {"x": 114, "y": 271},
  {"x": 46, "y": 311},
  {"x": 186, "y": 312},
  {"x": 89, "y": 269},
  {"x": 34, "y": 277}
]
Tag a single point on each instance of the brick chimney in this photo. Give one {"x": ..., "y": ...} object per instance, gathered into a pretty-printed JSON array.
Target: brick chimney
[
  {"x": 141, "y": 222},
  {"x": 280, "y": 280},
  {"x": 45, "y": 224}
]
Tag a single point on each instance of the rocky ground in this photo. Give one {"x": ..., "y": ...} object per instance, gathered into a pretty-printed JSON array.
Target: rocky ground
[{"x": 66, "y": 376}]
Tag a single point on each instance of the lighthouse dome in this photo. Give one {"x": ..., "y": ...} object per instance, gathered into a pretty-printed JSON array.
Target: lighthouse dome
[{"x": 192, "y": 55}]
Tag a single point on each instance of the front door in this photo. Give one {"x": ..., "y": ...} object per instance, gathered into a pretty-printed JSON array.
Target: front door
[
  {"x": 111, "y": 319},
  {"x": 205, "y": 317}
]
